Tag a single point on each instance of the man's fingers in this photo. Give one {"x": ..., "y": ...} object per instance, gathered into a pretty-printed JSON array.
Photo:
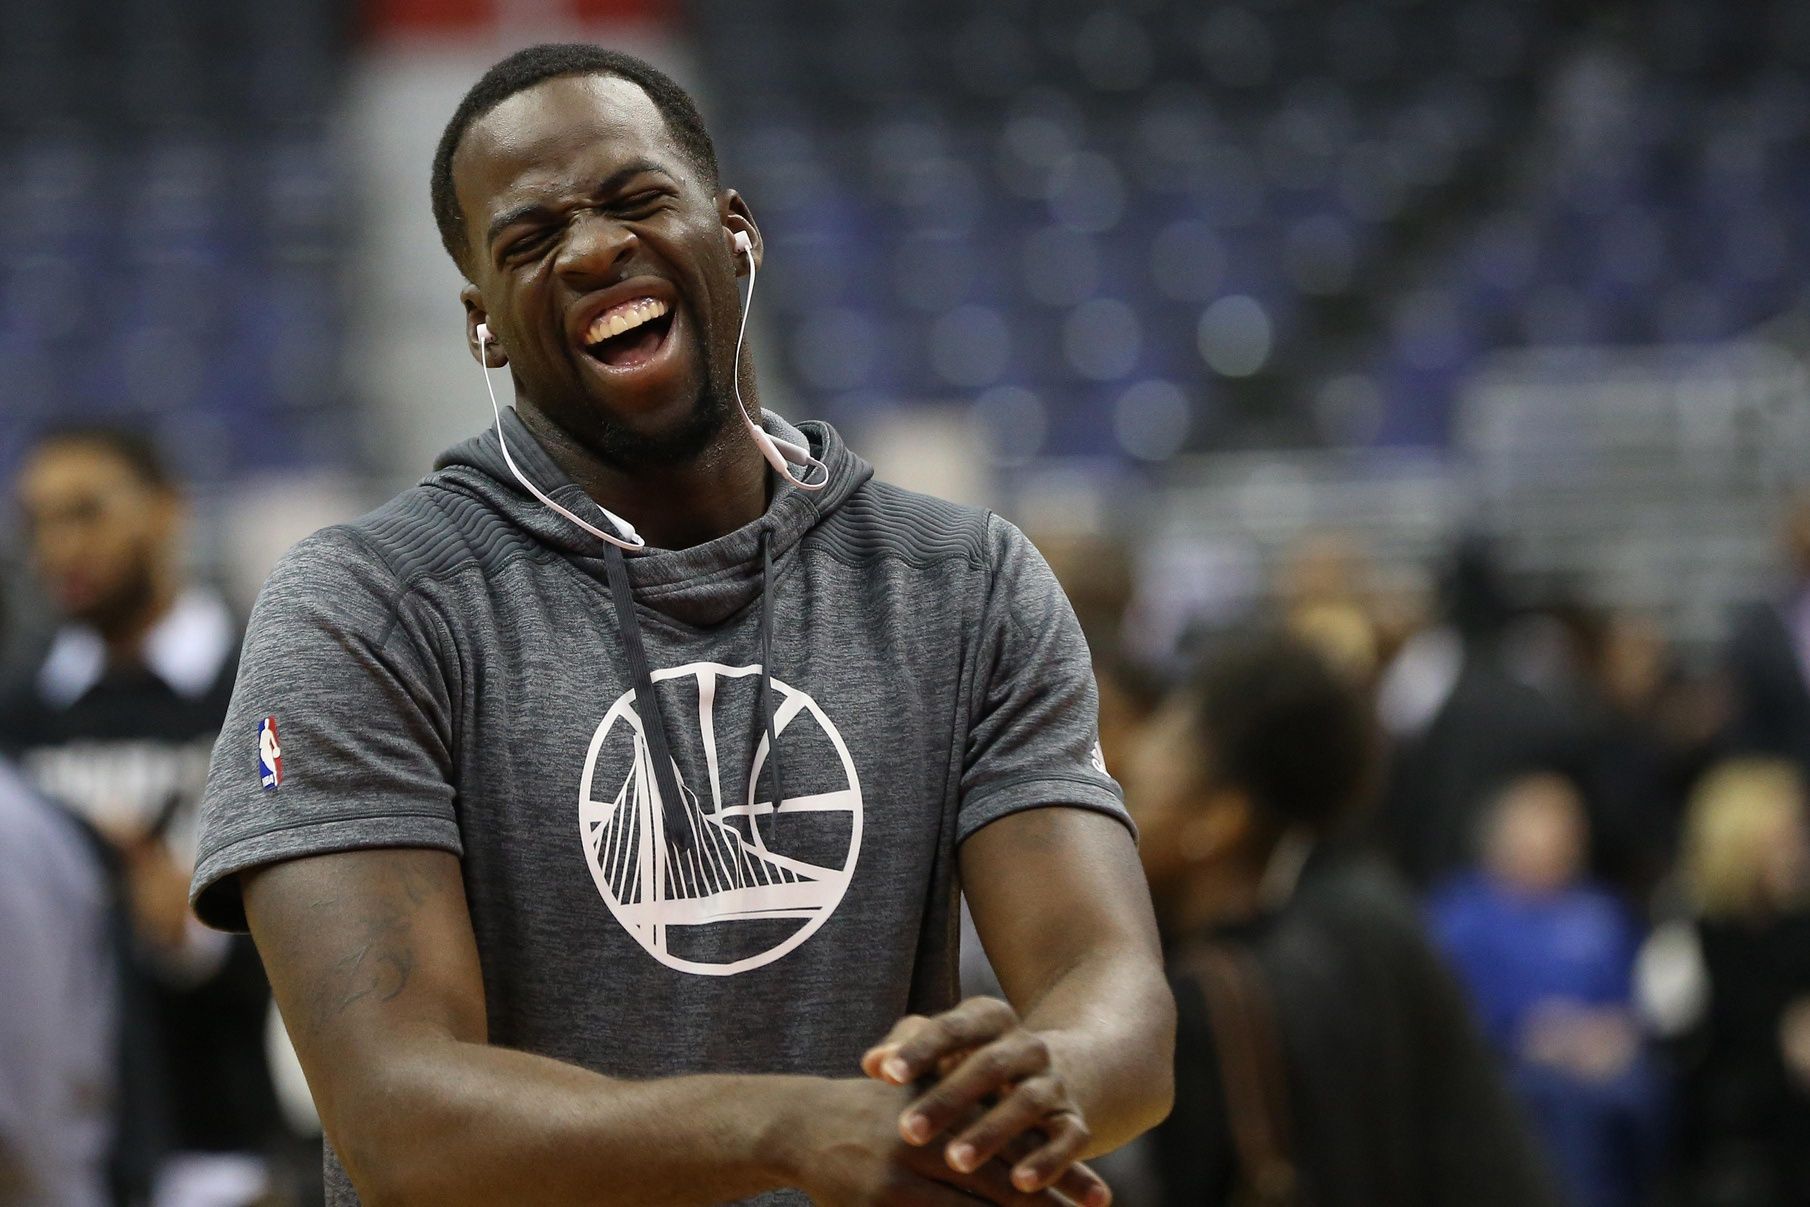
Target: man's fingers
[
  {"x": 1015, "y": 1114},
  {"x": 992, "y": 1183},
  {"x": 1055, "y": 1162},
  {"x": 910, "y": 1053},
  {"x": 978, "y": 1053},
  {"x": 995, "y": 1181},
  {"x": 993, "y": 1069},
  {"x": 1080, "y": 1184},
  {"x": 902, "y": 1030},
  {"x": 1077, "y": 1182}
]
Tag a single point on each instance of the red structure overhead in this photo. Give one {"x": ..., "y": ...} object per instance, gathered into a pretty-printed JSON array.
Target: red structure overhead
[{"x": 391, "y": 17}]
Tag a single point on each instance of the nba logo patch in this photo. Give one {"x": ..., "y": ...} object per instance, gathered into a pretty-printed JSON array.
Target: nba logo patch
[{"x": 270, "y": 755}]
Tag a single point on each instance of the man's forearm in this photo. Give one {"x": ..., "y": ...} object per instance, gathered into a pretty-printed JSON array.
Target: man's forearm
[
  {"x": 374, "y": 965},
  {"x": 1076, "y": 950},
  {"x": 452, "y": 1123},
  {"x": 1110, "y": 1027}
]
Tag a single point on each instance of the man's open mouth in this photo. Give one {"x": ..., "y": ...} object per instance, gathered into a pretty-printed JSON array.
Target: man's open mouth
[{"x": 628, "y": 334}]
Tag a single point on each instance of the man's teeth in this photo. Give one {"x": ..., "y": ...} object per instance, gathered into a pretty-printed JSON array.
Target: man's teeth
[{"x": 625, "y": 317}]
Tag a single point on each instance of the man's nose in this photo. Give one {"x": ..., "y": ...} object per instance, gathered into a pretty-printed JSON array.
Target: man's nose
[{"x": 594, "y": 249}]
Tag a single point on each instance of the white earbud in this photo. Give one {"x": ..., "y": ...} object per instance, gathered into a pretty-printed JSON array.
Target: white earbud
[
  {"x": 742, "y": 244},
  {"x": 484, "y": 336}
]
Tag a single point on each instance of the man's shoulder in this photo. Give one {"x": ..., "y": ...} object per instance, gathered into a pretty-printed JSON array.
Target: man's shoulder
[
  {"x": 883, "y": 521},
  {"x": 424, "y": 533}
]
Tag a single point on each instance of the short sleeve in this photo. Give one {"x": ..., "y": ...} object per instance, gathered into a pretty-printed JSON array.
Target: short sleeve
[
  {"x": 1034, "y": 732},
  {"x": 339, "y": 732}
]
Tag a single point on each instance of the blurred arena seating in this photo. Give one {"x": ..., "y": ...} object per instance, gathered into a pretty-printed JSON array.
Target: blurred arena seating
[
  {"x": 1653, "y": 203},
  {"x": 1532, "y": 267},
  {"x": 170, "y": 225},
  {"x": 1144, "y": 228}
]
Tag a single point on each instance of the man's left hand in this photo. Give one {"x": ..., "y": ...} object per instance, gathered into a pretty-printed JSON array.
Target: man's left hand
[{"x": 983, "y": 1056}]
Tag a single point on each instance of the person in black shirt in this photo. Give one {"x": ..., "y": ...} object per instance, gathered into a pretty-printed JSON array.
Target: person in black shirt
[
  {"x": 1726, "y": 987},
  {"x": 116, "y": 721},
  {"x": 1768, "y": 656},
  {"x": 1352, "y": 1074}
]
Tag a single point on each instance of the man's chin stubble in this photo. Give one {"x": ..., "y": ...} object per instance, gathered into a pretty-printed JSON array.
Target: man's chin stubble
[{"x": 627, "y": 449}]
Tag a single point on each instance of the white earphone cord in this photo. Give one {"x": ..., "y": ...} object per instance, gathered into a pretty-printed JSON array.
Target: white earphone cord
[
  {"x": 630, "y": 539},
  {"x": 780, "y": 454}
]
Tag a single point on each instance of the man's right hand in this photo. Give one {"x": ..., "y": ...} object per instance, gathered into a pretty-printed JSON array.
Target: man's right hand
[{"x": 843, "y": 1147}]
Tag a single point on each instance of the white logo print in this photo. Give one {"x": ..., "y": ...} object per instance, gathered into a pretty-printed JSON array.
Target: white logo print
[{"x": 730, "y": 902}]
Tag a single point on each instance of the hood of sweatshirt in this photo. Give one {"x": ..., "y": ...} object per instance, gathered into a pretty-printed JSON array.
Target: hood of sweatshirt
[{"x": 701, "y": 586}]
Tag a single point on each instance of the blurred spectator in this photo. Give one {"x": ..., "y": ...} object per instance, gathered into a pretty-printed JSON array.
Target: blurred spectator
[
  {"x": 1730, "y": 988},
  {"x": 1634, "y": 764},
  {"x": 1464, "y": 719},
  {"x": 1325, "y": 590},
  {"x": 1129, "y": 698},
  {"x": 1769, "y": 655},
  {"x": 59, "y": 1008},
  {"x": 1648, "y": 730},
  {"x": 1548, "y": 956},
  {"x": 1312, "y": 1007},
  {"x": 1096, "y": 575},
  {"x": 117, "y": 721}
]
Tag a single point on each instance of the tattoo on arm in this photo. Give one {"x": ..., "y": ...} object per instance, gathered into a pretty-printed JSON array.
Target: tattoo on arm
[{"x": 382, "y": 957}]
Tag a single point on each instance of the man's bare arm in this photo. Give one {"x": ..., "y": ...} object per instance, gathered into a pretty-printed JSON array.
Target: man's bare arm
[
  {"x": 1083, "y": 1053},
  {"x": 375, "y": 968},
  {"x": 1076, "y": 950}
]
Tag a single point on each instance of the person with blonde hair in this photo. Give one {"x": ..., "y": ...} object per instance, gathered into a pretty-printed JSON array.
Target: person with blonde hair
[
  {"x": 1744, "y": 849},
  {"x": 1728, "y": 987}
]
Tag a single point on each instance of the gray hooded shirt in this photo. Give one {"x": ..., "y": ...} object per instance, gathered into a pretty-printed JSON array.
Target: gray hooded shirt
[{"x": 450, "y": 672}]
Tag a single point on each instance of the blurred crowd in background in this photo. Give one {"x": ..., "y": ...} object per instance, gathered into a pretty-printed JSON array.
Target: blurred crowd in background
[
  {"x": 1604, "y": 837},
  {"x": 1413, "y": 397}
]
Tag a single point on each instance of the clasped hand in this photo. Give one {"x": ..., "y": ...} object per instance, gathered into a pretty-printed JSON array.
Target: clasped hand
[{"x": 990, "y": 1093}]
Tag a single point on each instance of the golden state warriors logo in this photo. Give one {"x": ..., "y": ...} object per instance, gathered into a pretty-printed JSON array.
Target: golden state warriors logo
[{"x": 753, "y": 879}]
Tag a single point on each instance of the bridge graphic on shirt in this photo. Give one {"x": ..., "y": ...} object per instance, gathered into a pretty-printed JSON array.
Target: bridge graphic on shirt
[{"x": 727, "y": 873}]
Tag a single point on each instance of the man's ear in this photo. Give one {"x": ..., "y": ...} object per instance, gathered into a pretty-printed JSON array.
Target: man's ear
[
  {"x": 736, "y": 216},
  {"x": 491, "y": 356}
]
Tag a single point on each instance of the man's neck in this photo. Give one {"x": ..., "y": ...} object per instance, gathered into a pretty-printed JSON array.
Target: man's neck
[{"x": 672, "y": 506}]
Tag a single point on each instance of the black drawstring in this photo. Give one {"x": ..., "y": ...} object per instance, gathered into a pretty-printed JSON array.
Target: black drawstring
[
  {"x": 653, "y": 724},
  {"x": 647, "y": 704},
  {"x": 778, "y": 779}
]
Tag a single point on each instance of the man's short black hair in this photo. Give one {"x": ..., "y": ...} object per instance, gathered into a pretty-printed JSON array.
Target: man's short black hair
[
  {"x": 139, "y": 452},
  {"x": 1282, "y": 725},
  {"x": 551, "y": 60}
]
